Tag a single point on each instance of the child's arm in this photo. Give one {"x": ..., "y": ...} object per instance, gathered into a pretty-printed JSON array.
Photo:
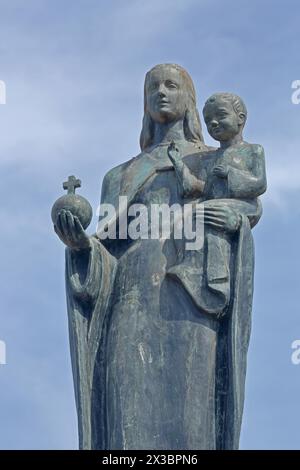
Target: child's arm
[
  {"x": 190, "y": 185},
  {"x": 249, "y": 184}
]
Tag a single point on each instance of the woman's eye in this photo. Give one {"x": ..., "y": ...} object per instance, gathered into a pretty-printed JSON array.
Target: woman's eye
[{"x": 171, "y": 84}]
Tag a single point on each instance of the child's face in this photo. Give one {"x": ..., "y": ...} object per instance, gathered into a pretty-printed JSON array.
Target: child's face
[{"x": 222, "y": 122}]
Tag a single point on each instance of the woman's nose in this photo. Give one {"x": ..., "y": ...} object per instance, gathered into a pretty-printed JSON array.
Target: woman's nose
[{"x": 162, "y": 90}]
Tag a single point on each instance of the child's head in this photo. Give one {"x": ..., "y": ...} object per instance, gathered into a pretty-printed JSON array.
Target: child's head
[{"x": 225, "y": 115}]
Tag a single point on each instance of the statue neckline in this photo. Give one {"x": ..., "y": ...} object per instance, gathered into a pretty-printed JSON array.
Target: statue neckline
[
  {"x": 162, "y": 144},
  {"x": 177, "y": 142}
]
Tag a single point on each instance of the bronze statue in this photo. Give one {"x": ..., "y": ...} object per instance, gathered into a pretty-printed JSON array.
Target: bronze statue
[{"x": 159, "y": 357}]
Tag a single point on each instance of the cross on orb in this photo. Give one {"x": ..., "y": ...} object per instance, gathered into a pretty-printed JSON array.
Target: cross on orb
[{"x": 71, "y": 184}]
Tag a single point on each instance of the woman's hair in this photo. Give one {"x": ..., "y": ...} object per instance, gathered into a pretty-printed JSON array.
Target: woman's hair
[{"x": 191, "y": 125}]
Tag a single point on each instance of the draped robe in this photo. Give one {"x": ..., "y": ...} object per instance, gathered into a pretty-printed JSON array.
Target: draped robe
[{"x": 151, "y": 368}]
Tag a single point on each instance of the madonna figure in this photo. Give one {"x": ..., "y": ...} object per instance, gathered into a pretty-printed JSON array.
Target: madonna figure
[{"x": 153, "y": 367}]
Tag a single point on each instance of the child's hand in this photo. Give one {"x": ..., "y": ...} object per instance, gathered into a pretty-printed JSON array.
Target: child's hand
[
  {"x": 221, "y": 171},
  {"x": 173, "y": 152}
]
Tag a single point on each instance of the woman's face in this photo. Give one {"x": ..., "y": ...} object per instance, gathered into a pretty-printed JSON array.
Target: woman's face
[{"x": 166, "y": 95}]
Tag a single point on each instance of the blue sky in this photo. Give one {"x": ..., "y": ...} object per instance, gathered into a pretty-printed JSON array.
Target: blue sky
[{"x": 74, "y": 73}]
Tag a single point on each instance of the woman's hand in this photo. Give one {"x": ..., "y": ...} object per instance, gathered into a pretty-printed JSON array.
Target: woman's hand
[
  {"x": 173, "y": 153},
  {"x": 71, "y": 232},
  {"x": 222, "y": 218}
]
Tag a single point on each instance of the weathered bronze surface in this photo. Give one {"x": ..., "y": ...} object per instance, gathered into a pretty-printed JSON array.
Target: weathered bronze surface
[{"x": 159, "y": 335}]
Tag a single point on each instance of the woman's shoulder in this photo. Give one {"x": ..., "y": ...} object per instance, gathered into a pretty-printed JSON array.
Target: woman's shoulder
[
  {"x": 118, "y": 170},
  {"x": 112, "y": 181}
]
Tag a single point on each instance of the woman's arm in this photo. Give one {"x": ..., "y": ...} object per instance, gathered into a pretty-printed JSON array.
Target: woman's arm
[{"x": 190, "y": 185}]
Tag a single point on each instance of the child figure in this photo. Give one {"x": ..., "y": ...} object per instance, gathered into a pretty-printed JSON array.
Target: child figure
[{"x": 235, "y": 175}]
